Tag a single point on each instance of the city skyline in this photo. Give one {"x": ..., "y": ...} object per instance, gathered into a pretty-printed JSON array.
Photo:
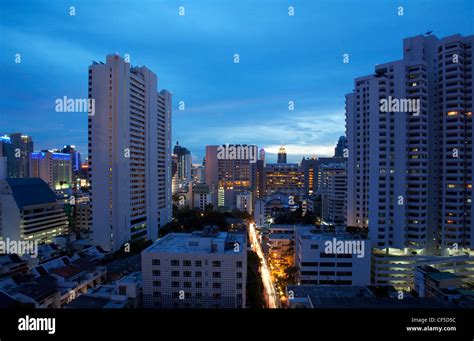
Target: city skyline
[{"x": 210, "y": 84}]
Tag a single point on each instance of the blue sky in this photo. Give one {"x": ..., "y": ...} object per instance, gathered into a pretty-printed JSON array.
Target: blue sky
[{"x": 282, "y": 58}]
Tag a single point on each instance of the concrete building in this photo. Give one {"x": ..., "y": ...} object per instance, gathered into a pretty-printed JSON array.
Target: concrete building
[
  {"x": 410, "y": 171},
  {"x": 230, "y": 174},
  {"x": 16, "y": 148},
  {"x": 331, "y": 258},
  {"x": 201, "y": 196},
  {"x": 54, "y": 168},
  {"x": 184, "y": 162},
  {"x": 285, "y": 178},
  {"x": 129, "y": 153},
  {"x": 333, "y": 192},
  {"x": 244, "y": 202},
  {"x": 29, "y": 211},
  {"x": 195, "y": 270}
]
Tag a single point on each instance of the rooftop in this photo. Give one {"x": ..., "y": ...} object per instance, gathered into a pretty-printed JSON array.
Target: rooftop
[
  {"x": 198, "y": 242},
  {"x": 30, "y": 192}
]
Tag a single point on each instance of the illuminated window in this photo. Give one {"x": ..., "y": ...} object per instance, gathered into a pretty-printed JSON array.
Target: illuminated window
[{"x": 452, "y": 113}]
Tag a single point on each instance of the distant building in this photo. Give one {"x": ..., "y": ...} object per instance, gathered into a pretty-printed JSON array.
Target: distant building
[
  {"x": 54, "y": 168},
  {"x": 76, "y": 162},
  {"x": 30, "y": 211},
  {"x": 333, "y": 191},
  {"x": 201, "y": 196},
  {"x": 244, "y": 202},
  {"x": 195, "y": 270},
  {"x": 281, "y": 155},
  {"x": 16, "y": 148},
  {"x": 285, "y": 178},
  {"x": 228, "y": 176},
  {"x": 198, "y": 174},
  {"x": 184, "y": 162}
]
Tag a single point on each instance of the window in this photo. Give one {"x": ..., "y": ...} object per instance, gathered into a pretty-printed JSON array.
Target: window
[
  {"x": 156, "y": 294},
  {"x": 155, "y": 262},
  {"x": 186, "y": 263},
  {"x": 175, "y": 262},
  {"x": 216, "y": 264},
  {"x": 239, "y": 275},
  {"x": 187, "y": 273},
  {"x": 216, "y": 285},
  {"x": 198, "y": 263},
  {"x": 157, "y": 284},
  {"x": 156, "y": 272},
  {"x": 216, "y": 275},
  {"x": 198, "y": 274},
  {"x": 239, "y": 285},
  {"x": 187, "y": 284},
  {"x": 239, "y": 264},
  {"x": 198, "y": 285},
  {"x": 174, "y": 273},
  {"x": 175, "y": 284}
]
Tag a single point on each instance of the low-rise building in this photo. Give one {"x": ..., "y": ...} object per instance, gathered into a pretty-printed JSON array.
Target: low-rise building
[{"x": 205, "y": 269}]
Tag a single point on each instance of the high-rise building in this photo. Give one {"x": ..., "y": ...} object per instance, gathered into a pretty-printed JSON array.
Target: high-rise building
[
  {"x": 198, "y": 174},
  {"x": 410, "y": 173},
  {"x": 16, "y": 148},
  {"x": 312, "y": 174},
  {"x": 333, "y": 193},
  {"x": 75, "y": 157},
  {"x": 281, "y": 155},
  {"x": 227, "y": 175},
  {"x": 129, "y": 153},
  {"x": 287, "y": 178},
  {"x": 184, "y": 162},
  {"x": 341, "y": 145},
  {"x": 54, "y": 168},
  {"x": 409, "y": 131},
  {"x": 29, "y": 211},
  {"x": 195, "y": 270}
]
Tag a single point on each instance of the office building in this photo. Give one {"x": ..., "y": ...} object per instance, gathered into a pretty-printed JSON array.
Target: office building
[
  {"x": 227, "y": 175},
  {"x": 129, "y": 153},
  {"x": 285, "y": 178},
  {"x": 281, "y": 155},
  {"x": 75, "y": 157},
  {"x": 340, "y": 147},
  {"x": 29, "y": 211},
  {"x": 16, "y": 148},
  {"x": 184, "y": 162},
  {"x": 54, "y": 168},
  {"x": 333, "y": 193}
]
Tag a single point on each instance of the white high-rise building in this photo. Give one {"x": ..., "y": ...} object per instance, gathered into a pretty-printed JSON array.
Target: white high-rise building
[
  {"x": 409, "y": 130},
  {"x": 129, "y": 153}
]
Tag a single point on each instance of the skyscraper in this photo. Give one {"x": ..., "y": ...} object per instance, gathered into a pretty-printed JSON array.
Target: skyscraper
[
  {"x": 184, "y": 162},
  {"x": 129, "y": 153},
  {"x": 16, "y": 148},
  {"x": 281, "y": 155},
  {"x": 75, "y": 157},
  {"x": 410, "y": 163},
  {"x": 54, "y": 168}
]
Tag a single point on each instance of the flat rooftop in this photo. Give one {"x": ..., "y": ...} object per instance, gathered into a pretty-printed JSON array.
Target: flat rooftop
[{"x": 198, "y": 242}]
